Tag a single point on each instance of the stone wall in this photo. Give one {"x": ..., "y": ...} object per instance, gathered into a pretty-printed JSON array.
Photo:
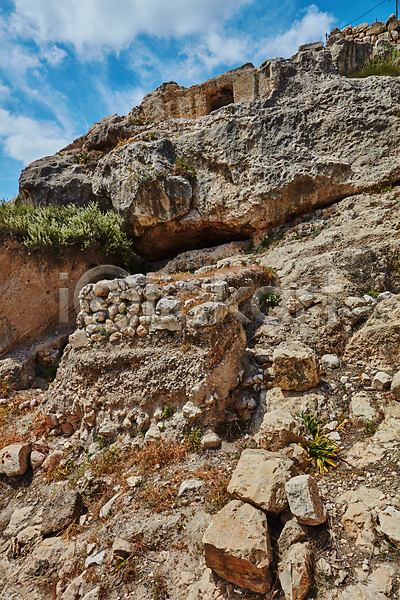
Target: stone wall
[
  {"x": 149, "y": 347},
  {"x": 372, "y": 34},
  {"x": 244, "y": 84}
]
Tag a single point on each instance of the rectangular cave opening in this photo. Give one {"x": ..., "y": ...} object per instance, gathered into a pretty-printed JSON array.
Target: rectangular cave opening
[{"x": 220, "y": 97}]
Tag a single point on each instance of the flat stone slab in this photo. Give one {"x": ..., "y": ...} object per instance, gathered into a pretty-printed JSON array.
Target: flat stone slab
[
  {"x": 389, "y": 520},
  {"x": 260, "y": 478}
]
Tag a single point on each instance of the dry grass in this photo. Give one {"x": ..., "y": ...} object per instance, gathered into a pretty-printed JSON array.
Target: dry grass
[
  {"x": 157, "y": 499},
  {"x": 159, "y": 589},
  {"x": 217, "y": 481},
  {"x": 10, "y": 433}
]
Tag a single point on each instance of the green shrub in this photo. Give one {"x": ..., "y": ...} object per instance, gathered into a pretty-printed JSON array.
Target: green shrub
[
  {"x": 381, "y": 65},
  {"x": 57, "y": 227}
]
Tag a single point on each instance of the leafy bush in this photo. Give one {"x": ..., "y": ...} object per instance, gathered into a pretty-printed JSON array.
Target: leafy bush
[
  {"x": 57, "y": 227},
  {"x": 387, "y": 64}
]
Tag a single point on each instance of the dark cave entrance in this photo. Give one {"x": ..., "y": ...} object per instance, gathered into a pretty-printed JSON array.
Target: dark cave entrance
[{"x": 218, "y": 98}]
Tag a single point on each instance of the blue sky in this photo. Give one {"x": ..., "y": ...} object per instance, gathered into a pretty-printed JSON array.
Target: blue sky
[{"x": 65, "y": 64}]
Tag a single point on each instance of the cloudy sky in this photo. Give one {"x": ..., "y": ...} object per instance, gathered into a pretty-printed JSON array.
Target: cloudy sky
[{"x": 65, "y": 64}]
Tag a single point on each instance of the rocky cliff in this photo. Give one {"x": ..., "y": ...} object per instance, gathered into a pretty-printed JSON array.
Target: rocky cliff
[{"x": 292, "y": 136}]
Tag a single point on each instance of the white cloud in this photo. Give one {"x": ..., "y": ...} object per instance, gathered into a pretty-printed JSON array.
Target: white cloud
[
  {"x": 92, "y": 25},
  {"x": 120, "y": 102},
  {"x": 53, "y": 55},
  {"x": 311, "y": 28},
  {"x": 27, "y": 139}
]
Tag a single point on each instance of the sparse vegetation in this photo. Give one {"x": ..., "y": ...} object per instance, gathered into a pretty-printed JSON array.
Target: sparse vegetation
[
  {"x": 82, "y": 158},
  {"x": 386, "y": 64},
  {"x": 269, "y": 300},
  {"x": 159, "y": 590},
  {"x": 57, "y": 227},
  {"x": 184, "y": 169},
  {"x": 193, "y": 438}
]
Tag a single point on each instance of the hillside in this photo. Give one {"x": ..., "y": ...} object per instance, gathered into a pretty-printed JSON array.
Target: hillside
[{"x": 225, "y": 425}]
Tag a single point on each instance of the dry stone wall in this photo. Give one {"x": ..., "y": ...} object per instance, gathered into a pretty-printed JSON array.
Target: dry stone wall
[{"x": 378, "y": 34}]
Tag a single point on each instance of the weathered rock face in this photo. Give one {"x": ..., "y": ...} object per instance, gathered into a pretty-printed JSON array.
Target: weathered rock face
[
  {"x": 380, "y": 337},
  {"x": 30, "y": 285},
  {"x": 297, "y": 143},
  {"x": 237, "y": 546}
]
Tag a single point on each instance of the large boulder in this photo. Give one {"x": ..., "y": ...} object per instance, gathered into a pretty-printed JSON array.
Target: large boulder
[
  {"x": 296, "y": 367},
  {"x": 237, "y": 546},
  {"x": 279, "y": 429}
]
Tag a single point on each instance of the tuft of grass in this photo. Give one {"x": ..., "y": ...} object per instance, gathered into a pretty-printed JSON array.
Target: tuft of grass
[
  {"x": 312, "y": 422},
  {"x": 184, "y": 169},
  {"x": 385, "y": 65},
  {"x": 57, "y": 227},
  {"x": 373, "y": 293},
  {"x": 322, "y": 453}
]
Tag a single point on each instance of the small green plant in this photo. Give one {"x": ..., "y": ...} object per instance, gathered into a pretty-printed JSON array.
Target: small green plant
[
  {"x": 193, "y": 437},
  {"x": 82, "y": 158},
  {"x": 123, "y": 309},
  {"x": 380, "y": 189},
  {"x": 168, "y": 411},
  {"x": 103, "y": 332},
  {"x": 312, "y": 422},
  {"x": 184, "y": 169},
  {"x": 370, "y": 427},
  {"x": 322, "y": 452},
  {"x": 103, "y": 442},
  {"x": 373, "y": 293},
  {"x": 270, "y": 299},
  {"x": 153, "y": 136},
  {"x": 386, "y": 64}
]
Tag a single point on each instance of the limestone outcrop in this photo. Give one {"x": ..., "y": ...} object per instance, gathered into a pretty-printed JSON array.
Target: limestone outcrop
[{"x": 305, "y": 139}]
